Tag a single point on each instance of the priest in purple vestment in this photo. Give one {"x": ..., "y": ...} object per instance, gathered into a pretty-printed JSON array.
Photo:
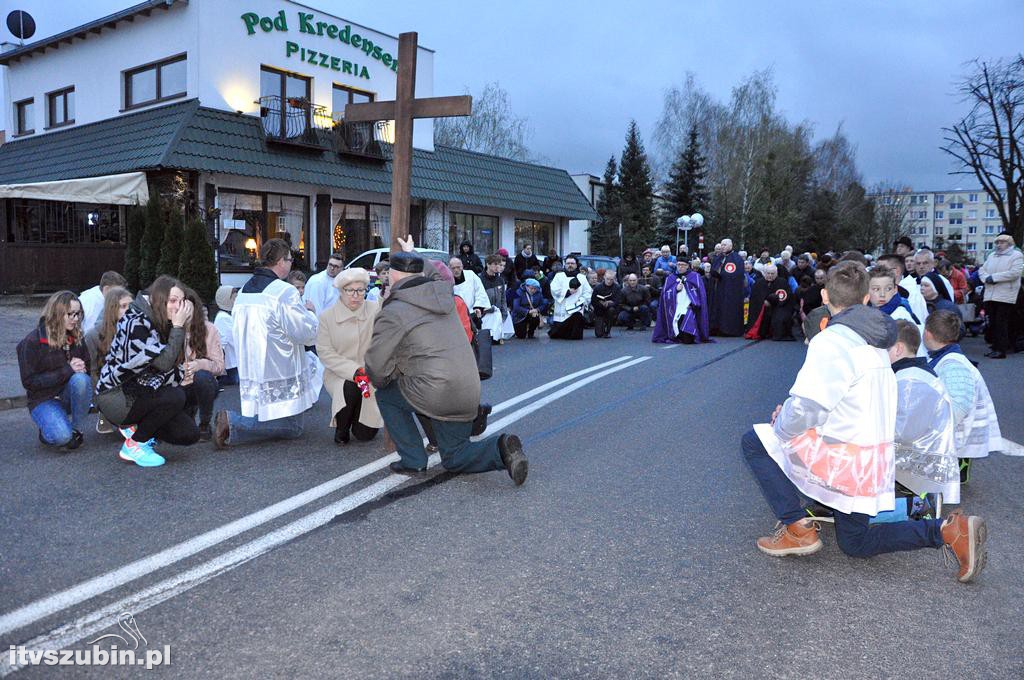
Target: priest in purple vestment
[{"x": 683, "y": 308}]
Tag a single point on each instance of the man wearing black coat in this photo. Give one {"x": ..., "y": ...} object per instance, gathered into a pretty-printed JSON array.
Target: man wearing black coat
[
  {"x": 470, "y": 260},
  {"x": 636, "y": 304},
  {"x": 605, "y": 301}
]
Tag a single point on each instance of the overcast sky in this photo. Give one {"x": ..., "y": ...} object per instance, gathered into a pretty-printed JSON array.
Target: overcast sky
[{"x": 579, "y": 70}]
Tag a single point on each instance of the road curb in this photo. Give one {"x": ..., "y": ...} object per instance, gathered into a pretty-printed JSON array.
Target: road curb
[{"x": 8, "y": 403}]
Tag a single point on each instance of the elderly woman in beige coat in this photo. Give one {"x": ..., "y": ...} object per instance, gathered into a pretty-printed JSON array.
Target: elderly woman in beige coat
[{"x": 341, "y": 343}]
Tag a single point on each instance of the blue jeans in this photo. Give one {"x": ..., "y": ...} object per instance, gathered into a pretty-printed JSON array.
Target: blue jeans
[
  {"x": 458, "y": 453},
  {"x": 249, "y": 430},
  {"x": 56, "y": 418},
  {"x": 230, "y": 377},
  {"x": 855, "y": 536}
]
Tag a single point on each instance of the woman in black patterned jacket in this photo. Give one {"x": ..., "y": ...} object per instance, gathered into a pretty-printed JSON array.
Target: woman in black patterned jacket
[{"x": 138, "y": 384}]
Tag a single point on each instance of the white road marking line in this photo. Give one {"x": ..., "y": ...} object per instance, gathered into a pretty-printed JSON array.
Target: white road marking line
[
  {"x": 98, "y": 585},
  {"x": 554, "y": 383},
  {"x": 100, "y": 619},
  {"x": 544, "y": 401},
  {"x": 673, "y": 346}
]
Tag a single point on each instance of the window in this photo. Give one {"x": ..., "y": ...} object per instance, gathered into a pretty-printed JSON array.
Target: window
[
  {"x": 343, "y": 95},
  {"x": 940, "y": 198},
  {"x": 248, "y": 219},
  {"x": 285, "y": 99},
  {"x": 990, "y": 228},
  {"x": 990, "y": 213},
  {"x": 972, "y": 247},
  {"x": 887, "y": 200},
  {"x": 540, "y": 234},
  {"x": 988, "y": 245},
  {"x": 972, "y": 214},
  {"x": 923, "y": 200},
  {"x": 922, "y": 214},
  {"x": 939, "y": 214},
  {"x": 972, "y": 230},
  {"x": 972, "y": 198},
  {"x": 32, "y": 221},
  {"x": 24, "y": 113},
  {"x": 60, "y": 107},
  {"x": 913, "y": 200},
  {"x": 956, "y": 204},
  {"x": 480, "y": 230},
  {"x": 956, "y": 220},
  {"x": 988, "y": 199},
  {"x": 939, "y": 230},
  {"x": 155, "y": 82}
]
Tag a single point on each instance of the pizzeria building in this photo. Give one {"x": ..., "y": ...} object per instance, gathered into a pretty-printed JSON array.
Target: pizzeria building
[{"x": 237, "y": 108}]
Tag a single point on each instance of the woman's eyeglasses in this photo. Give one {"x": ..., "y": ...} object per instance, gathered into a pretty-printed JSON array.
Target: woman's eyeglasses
[
  {"x": 354, "y": 292},
  {"x": 75, "y": 315}
]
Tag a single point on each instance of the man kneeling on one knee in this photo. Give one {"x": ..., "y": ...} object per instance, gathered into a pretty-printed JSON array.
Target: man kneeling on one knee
[
  {"x": 833, "y": 441},
  {"x": 421, "y": 363}
]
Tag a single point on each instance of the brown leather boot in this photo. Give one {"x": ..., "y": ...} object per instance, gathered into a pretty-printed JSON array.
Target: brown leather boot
[
  {"x": 964, "y": 536},
  {"x": 798, "y": 538}
]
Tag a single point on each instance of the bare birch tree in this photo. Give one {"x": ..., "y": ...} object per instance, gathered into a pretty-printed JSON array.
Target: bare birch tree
[{"x": 493, "y": 128}]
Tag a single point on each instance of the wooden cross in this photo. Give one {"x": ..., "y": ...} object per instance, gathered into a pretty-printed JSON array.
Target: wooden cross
[{"x": 404, "y": 110}]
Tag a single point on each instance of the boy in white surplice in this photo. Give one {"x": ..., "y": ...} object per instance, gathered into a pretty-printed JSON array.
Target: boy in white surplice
[{"x": 833, "y": 441}]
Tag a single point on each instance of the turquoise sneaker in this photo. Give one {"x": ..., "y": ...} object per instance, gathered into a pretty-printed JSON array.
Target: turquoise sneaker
[
  {"x": 128, "y": 431},
  {"x": 142, "y": 455}
]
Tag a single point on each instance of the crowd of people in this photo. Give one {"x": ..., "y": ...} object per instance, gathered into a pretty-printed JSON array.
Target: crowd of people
[
  {"x": 404, "y": 347},
  {"x": 153, "y": 365}
]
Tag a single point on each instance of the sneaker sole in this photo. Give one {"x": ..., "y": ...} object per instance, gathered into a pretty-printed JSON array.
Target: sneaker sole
[
  {"x": 805, "y": 550},
  {"x": 519, "y": 470},
  {"x": 979, "y": 554},
  {"x": 132, "y": 460}
]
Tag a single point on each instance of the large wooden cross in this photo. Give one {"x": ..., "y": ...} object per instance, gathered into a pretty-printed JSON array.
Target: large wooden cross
[{"x": 404, "y": 110}]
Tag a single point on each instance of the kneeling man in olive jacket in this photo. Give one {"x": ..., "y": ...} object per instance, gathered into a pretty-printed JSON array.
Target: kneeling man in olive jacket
[{"x": 420, "y": 362}]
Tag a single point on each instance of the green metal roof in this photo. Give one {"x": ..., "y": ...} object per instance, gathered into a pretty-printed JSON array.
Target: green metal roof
[{"x": 188, "y": 136}]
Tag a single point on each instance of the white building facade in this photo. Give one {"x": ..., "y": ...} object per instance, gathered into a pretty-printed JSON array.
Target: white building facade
[
  {"x": 241, "y": 105},
  {"x": 936, "y": 219}
]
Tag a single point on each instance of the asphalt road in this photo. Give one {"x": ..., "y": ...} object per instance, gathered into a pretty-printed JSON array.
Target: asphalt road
[{"x": 629, "y": 552}]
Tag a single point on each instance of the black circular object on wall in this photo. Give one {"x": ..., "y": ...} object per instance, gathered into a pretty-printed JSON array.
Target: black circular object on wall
[{"x": 21, "y": 24}]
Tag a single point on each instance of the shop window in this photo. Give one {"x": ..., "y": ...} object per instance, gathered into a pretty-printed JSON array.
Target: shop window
[
  {"x": 351, "y": 231},
  {"x": 60, "y": 107},
  {"x": 156, "y": 82},
  {"x": 24, "y": 112},
  {"x": 32, "y": 221},
  {"x": 540, "y": 234},
  {"x": 480, "y": 230},
  {"x": 248, "y": 219}
]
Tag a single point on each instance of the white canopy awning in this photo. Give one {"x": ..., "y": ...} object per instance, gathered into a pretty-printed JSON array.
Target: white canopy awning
[{"x": 125, "y": 189}]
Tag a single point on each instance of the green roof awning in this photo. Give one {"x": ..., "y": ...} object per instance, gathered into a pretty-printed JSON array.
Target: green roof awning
[{"x": 187, "y": 136}]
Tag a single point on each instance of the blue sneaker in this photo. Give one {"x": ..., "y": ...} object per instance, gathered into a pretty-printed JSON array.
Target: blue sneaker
[
  {"x": 127, "y": 431},
  {"x": 142, "y": 455}
]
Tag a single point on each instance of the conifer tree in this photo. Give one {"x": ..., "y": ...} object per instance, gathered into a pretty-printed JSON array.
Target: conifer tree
[
  {"x": 636, "y": 194},
  {"x": 604, "y": 234},
  {"x": 134, "y": 227},
  {"x": 152, "y": 238},
  {"x": 170, "y": 247},
  {"x": 685, "y": 192},
  {"x": 198, "y": 268}
]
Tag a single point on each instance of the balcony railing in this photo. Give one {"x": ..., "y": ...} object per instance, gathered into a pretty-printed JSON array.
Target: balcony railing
[
  {"x": 293, "y": 120},
  {"x": 365, "y": 140}
]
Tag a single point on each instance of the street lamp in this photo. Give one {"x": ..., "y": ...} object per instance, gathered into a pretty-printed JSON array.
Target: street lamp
[{"x": 686, "y": 223}]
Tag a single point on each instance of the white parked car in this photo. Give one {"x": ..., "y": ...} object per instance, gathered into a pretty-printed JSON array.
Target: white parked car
[{"x": 370, "y": 258}]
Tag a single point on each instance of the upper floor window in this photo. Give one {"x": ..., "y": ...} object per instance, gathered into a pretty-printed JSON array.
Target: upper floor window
[
  {"x": 990, "y": 212},
  {"x": 939, "y": 214},
  {"x": 972, "y": 214},
  {"x": 940, "y": 198},
  {"x": 344, "y": 95},
  {"x": 913, "y": 200},
  {"x": 24, "y": 112},
  {"x": 285, "y": 102},
  {"x": 972, "y": 198},
  {"x": 60, "y": 107},
  {"x": 156, "y": 82}
]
